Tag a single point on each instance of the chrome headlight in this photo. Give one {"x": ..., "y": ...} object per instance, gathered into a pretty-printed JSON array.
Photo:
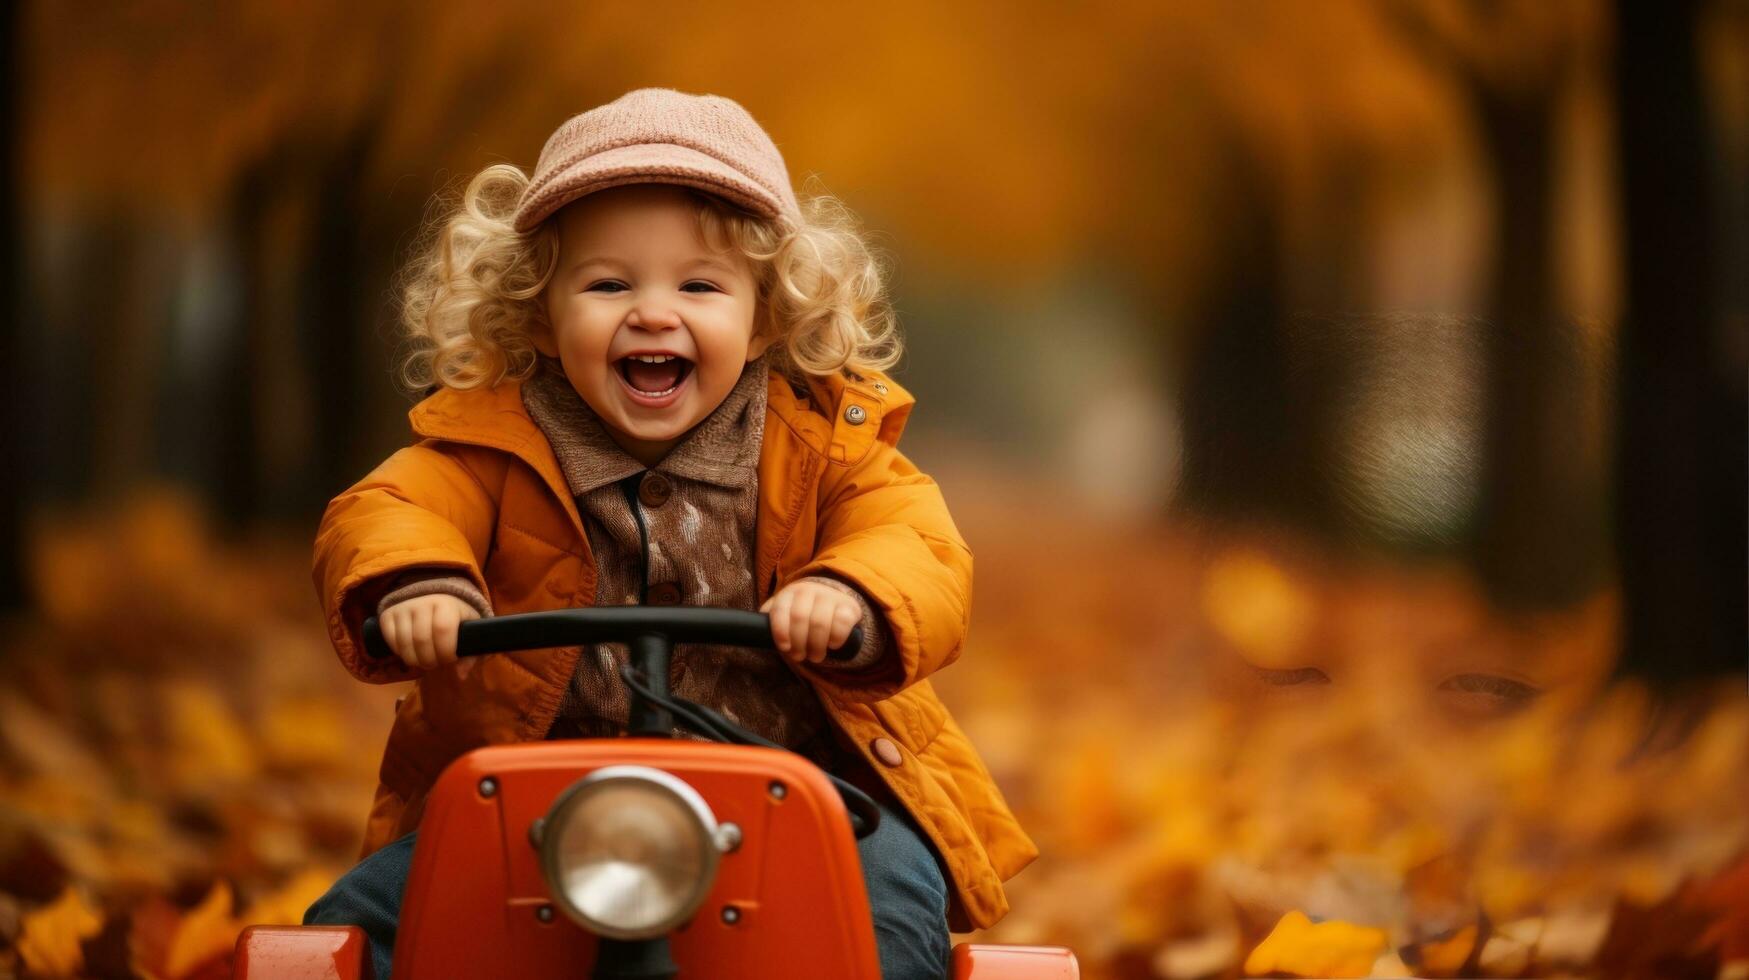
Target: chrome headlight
[{"x": 629, "y": 852}]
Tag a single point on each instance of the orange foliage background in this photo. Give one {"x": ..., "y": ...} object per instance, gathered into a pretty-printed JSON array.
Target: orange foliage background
[{"x": 1253, "y": 745}]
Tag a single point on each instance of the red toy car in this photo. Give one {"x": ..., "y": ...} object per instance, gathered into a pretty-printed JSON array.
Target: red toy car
[{"x": 646, "y": 857}]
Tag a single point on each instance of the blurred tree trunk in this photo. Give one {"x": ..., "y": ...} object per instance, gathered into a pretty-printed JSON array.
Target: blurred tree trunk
[
  {"x": 1263, "y": 398},
  {"x": 1513, "y": 553},
  {"x": 14, "y": 439},
  {"x": 299, "y": 350},
  {"x": 237, "y": 488},
  {"x": 1540, "y": 536},
  {"x": 1680, "y": 471},
  {"x": 349, "y": 252},
  {"x": 1241, "y": 460},
  {"x": 123, "y": 392}
]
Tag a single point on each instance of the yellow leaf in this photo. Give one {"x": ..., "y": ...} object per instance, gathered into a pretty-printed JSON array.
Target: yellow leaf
[
  {"x": 211, "y": 749},
  {"x": 208, "y": 930},
  {"x": 1322, "y": 949},
  {"x": 1254, "y": 605},
  {"x": 49, "y": 939}
]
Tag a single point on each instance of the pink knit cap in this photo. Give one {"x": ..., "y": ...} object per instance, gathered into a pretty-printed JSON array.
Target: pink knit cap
[{"x": 660, "y": 136}]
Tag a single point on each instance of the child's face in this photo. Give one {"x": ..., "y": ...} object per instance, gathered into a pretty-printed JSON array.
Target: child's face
[{"x": 652, "y": 325}]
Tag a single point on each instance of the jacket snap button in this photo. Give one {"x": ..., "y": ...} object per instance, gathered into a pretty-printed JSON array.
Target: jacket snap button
[
  {"x": 662, "y": 594},
  {"x": 855, "y": 415},
  {"x": 654, "y": 490},
  {"x": 880, "y": 387},
  {"x": 886, "y": 751}
]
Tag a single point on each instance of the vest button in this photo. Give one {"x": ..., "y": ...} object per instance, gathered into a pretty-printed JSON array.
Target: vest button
[
  {"x": 662, "y": 594},
  {"x": 886, "y": 751},
  {"x": 855, "y": 415},
  {"x": 654, "y": 490}
]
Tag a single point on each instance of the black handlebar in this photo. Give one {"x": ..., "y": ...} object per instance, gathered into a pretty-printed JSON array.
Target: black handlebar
[
  {"x": 610, "y": 624},
  {"x": 651, "y": 632}
]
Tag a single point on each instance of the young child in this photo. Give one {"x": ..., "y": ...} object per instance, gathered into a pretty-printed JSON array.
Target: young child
[{"x": 659, "y": 380}]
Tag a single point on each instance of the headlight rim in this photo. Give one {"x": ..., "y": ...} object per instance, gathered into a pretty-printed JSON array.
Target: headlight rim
[{"x": 573, "y": 795}]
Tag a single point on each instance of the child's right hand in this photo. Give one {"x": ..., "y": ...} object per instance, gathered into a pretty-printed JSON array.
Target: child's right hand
[{"x": 422, "y": 630}]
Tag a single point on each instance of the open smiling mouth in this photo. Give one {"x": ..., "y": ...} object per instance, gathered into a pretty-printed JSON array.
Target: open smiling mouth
[{"x": 654, "y": 375}]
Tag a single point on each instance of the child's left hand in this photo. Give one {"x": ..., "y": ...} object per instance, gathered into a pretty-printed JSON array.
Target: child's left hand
[{"x": 808, "y": 619}]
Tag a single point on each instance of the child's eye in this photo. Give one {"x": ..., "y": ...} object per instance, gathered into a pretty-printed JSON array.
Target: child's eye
[
  {"x": 1291, "y": 678},
  {"x": 606, "y": 286},
  {"x": 703, "y": 286},
  {"x": 1487, "y": 695}
]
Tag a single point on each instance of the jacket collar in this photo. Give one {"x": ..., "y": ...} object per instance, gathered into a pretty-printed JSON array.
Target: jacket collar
[
  {"x": 807, "y": 425},
  {"x": 722, "y": 450},
  {"x": 817, "y": 410},
  {"x": 813, "y": 413}
]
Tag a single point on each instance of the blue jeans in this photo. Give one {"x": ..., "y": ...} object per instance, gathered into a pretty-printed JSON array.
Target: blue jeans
[{"x": 906, "y": 893}]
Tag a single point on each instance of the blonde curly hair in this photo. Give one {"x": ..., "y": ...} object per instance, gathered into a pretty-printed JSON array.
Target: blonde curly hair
[{"x": 472, "y": 295}]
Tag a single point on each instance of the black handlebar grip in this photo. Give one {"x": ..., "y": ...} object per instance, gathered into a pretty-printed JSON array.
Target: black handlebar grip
[
  {"x": 852, "y": 646},
  {"x": 375, "y": 645}
]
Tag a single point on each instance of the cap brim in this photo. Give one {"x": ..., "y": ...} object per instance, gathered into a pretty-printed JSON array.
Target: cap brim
[{"x": 643, "y": 163}]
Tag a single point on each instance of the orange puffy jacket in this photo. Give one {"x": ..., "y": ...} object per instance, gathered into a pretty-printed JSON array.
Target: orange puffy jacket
[{"x": 481, "y": 493}]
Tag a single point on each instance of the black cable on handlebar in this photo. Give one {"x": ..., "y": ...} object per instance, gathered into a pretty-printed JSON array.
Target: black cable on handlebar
[{"x": 865, "y": 816}]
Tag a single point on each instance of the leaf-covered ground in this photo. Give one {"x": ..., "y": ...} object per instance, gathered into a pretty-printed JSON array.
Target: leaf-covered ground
[{"x": 1238, "y": 758}]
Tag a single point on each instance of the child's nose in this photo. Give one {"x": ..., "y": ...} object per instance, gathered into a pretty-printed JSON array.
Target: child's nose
[{"x": 653, "y": 317}]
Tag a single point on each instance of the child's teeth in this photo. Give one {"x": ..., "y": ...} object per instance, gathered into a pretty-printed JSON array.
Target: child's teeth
[{"x": 644, "y": 371}]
